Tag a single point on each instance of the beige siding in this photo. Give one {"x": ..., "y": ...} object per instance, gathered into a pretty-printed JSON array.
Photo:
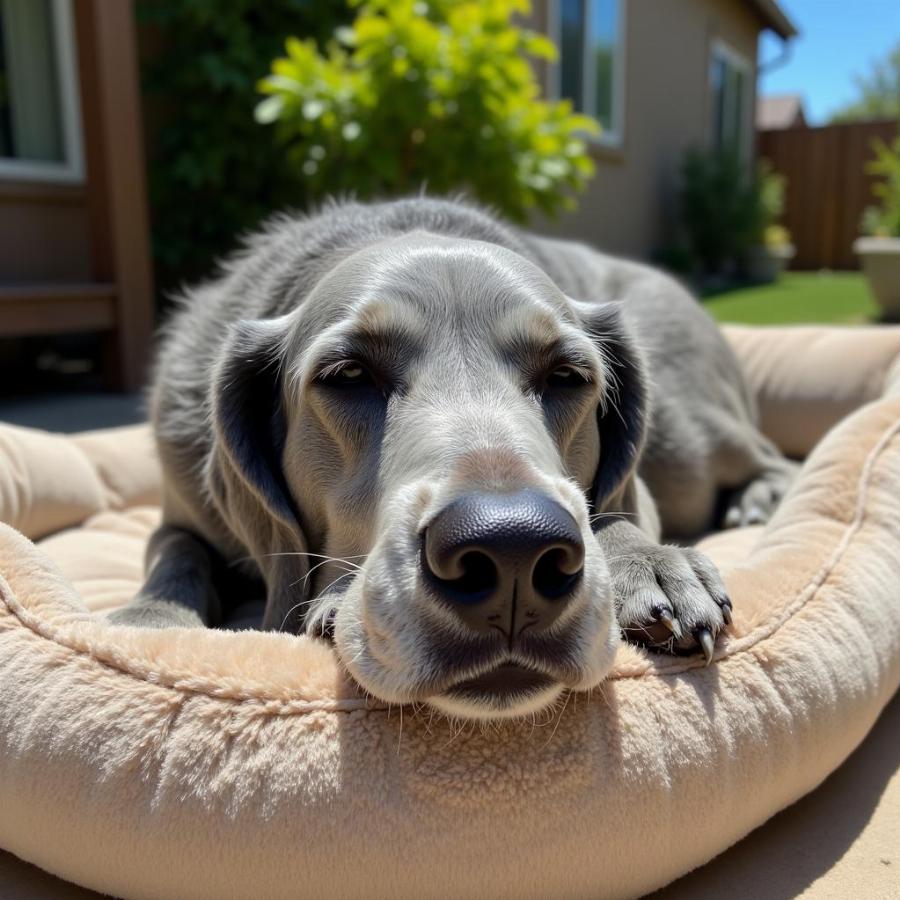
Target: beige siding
[{"x": 667, "y": 110}]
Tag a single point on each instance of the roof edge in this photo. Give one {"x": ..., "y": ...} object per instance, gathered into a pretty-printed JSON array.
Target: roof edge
[{"x": 775, "y": 18}]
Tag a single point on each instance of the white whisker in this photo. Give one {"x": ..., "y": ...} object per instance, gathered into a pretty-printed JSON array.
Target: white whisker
[
  {"x": 611, "y": 515},
  {"x": 314, "y": 599},
  {"x": 559, "y": 718},
  {"x": 325, "y": 590},
  {"x": 303, "y": 579}
]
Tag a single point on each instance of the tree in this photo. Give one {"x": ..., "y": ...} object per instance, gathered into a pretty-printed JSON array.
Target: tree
[
  {"x": 213, "y": 176},
  {"x": 879, "y": 93},
  {"x": 437, "y": 94}
]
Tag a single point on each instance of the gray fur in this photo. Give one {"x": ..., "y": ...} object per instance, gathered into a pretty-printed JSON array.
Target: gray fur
[{"x": 276, "y": 476}]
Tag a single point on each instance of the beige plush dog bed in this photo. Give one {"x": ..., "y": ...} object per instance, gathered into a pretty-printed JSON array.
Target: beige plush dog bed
[{"x": 214, "y": 764}]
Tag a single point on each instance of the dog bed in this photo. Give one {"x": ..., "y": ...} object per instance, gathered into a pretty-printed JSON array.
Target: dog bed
[{"x": 215, "y": 764}]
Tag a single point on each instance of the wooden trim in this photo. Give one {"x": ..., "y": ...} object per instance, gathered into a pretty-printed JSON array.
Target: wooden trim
[
  {"x": 38, "y": 193},
  {"x": 56, "y": 308},
  {"x": 70, "y": 169},
  {"x": 549, "y": 75},
  {"x": 117, "y": 202},
  {"x": 609, "y": 154}
]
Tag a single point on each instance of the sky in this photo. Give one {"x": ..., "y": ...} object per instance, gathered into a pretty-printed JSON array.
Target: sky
[{"x": 838, "y": 38}]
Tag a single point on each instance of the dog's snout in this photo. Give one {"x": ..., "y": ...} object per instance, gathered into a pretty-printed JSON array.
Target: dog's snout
[{"x": 504, "y": 561}]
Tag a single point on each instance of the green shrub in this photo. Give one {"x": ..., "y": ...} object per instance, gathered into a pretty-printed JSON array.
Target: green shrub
[
  {"x": 727, "y": 207},
  {"x": 437, "y": 94},
  {"x": 770, "y": 186},
  {"x": 212, "y": 172},
  {"x": 883, "y": 219}
]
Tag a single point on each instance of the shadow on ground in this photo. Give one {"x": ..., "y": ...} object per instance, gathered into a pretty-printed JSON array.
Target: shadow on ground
[
  {"x": 847, "y": 830},
  {"x": 73, "y": 412},
  {"x": 57, "y": 383}
]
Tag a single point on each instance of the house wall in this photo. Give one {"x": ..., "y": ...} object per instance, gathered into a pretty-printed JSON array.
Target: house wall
[
  {"x": 629, "y": 202},
  {"x": 74, "y": 254},
  {"x": 43, "y": 233}
]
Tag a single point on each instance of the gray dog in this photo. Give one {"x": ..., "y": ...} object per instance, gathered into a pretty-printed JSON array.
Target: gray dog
[{"x": 452, "y": 447}]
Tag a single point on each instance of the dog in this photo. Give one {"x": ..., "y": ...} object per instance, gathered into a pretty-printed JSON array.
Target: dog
[{"x": 451, "y": 447}]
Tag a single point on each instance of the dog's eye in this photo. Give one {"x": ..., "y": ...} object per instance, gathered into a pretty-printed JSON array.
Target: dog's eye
[
  {"x": 353, "y": 372},
  {"x": 349, "y": 374},
  {"x": 566, "y": 376}
]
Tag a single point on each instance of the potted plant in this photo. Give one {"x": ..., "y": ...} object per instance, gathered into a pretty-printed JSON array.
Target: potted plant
[
  {"x": 879, "y": 249},
  {"x": 766, "y": 261},
  {"x": 771, "y": 250}
]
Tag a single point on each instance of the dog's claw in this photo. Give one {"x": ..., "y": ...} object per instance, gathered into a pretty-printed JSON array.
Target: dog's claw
[
  {"x": 689, "y": 615},
  {"x": 707, "y": 643},
  {"x": 726, "y": 613},
  {"x": 668, "y": 619}
]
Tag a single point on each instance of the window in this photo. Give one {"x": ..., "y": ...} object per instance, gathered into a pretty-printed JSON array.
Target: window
[
  {"x": 40, "y": 137},
  {"x": 591, "y": 69},
  {"x": 730, "y": 82}
]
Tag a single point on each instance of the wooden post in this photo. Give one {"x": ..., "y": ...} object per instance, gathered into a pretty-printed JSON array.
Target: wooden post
[{"x": 111, "y": 113}]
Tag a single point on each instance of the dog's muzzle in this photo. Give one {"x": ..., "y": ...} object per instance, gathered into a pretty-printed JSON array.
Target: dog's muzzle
[{"x": 506, "y": 565}]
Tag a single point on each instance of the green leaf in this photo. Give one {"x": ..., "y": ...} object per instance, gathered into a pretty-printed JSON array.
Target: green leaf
[
  {"x": 268, "y": 110},
  {"x": 312, "y": 109}
]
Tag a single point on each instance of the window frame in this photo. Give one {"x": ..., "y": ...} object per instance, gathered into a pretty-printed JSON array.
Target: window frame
[
  {"x": 614, "y": 136},
  {"x": 71, "y": 169},
  {"x": 721, "y": 48}
]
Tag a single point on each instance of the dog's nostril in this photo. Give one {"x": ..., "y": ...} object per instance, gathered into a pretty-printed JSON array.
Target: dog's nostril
[
  {"x": 478, "y": 580},
  {"x": 557, "y": 573}
]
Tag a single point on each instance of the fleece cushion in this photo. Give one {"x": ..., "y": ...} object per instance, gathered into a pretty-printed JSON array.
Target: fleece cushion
[
  {"x": 807, "y": 377},
  {"x": 211, "y": 765},
  {"x": 51, "y": 481}
]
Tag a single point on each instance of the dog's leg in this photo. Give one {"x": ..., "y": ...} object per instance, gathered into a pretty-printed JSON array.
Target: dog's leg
[
  {"x": 179, "y": 589},
  {"x": 670, "y": 598},
  {"x": 754, "y": 502}
]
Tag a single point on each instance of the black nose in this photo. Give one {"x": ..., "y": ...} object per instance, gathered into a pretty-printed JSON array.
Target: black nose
[{"x": 504, "y": 561}]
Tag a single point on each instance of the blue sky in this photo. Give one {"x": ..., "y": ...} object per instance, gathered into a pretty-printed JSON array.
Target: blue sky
[{"x": 838, "y": 38}]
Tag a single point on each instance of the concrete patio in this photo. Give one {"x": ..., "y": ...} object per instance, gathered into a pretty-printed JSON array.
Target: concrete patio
[{"x": 68, "y": 412}]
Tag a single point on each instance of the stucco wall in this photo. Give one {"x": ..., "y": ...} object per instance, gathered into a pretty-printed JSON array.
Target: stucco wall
[{"x": 667, "y": 110}]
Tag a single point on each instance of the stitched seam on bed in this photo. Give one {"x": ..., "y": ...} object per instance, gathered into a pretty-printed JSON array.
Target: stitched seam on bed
[
  {"x": 284, "y": 706},
  {"x": 651, "y": 669}
]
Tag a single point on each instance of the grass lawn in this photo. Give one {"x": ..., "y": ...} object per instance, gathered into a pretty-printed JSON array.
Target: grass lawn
[{"x": 837, "y": 297}]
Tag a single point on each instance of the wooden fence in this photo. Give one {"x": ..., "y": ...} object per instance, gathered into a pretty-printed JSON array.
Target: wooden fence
[{"x": 827, "y": 186}]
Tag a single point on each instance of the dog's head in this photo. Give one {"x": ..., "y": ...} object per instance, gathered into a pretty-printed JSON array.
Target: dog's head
[{"x": 414, "y": 456}]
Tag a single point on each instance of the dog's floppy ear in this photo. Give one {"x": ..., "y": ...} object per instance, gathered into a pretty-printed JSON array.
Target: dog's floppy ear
[
  {"x": 245, "y": 475},
  {"x": 623, "y": 415}
]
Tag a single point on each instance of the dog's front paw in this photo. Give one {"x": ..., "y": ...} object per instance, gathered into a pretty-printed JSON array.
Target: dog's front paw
[
  {"x": 670, "y": 598},
  {"x": 756, "y": 502}
]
